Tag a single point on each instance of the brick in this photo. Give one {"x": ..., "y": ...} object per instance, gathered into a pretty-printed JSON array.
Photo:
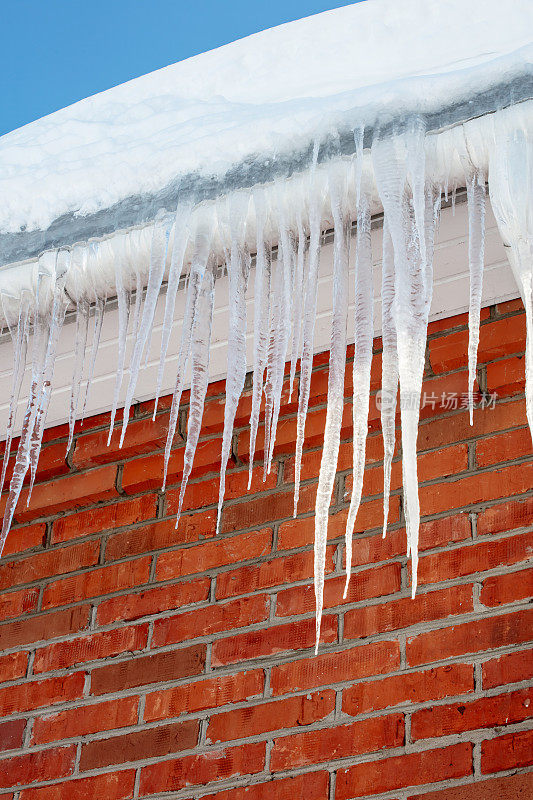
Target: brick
[
  {"x": 97, "y": 582},
  {"x": 103, "y": 518},
  {"x": 497, "y": 339},
  {"x": 363, "y": 585},
  {"x": 85, "y": 720},
  {"x": 507, "y": 752},
  {"x": 204, "y": 694},
  {"x": 27, "y": 537},
  {"x": 411, "y": 687},
  {"x": 204, "y": 491},
  {"x": 13, "y": 666},
  {"x": 50, "y": 563},
  {"x": 509, "y": 668},
  {"x": 212, "y": 619},
  {"x": 512, "y": 787},
  {"x": 265, "y": 508},
  {"x": 470, "y": 637},
  {"x": 40, "y": 626},
  {"x": 15, "y": 604},
  {"x": 506, "y": 377},
  {"x": 154, "y": 536},
  {"x": 503, "y": 447},
  {"x": 349, "y": 665},
  {"x": 153, "y": 601},
  {"x": 202, "y": 768},
  {"x": 148, "y": 743},
  {"x": 405, "y": 612},
  {"x": 328, "y": 744},
  {"x": 312, "y": 786},
  {"x": 268, "y": 574},
  {"x": 89, "y": 648},
  {"x": 148, "y": 669},
  {"x": 11, "y": 734},
  {"x": 271, "y": 641},
  {"x": 258, "y": 719},
  {"x": 142, "y": 436},
  {"x": 505, "y": 516},
  {"x": 41, "y": 766},
  {"x": 439, "y": 432},
  {"x": 400, "y": 772},
  {"x": 36, "y": 694},
  {"x": 52, "y": 463},
  {"x": 112, "y": 786},
  {"x": 474, "y": 558},
  {"x": 501, "y": 589},
  {"x": 231, "y": 550},
  {"x": 487, "y": 712}
]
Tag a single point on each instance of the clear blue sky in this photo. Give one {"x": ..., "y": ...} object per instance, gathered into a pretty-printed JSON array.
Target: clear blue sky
[{"x": 55, "y": 52}]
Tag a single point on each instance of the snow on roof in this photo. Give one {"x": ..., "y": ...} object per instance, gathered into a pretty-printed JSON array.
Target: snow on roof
[{"x": 262, "y": 95}]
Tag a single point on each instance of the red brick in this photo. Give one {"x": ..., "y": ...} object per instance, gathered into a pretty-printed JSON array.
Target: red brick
[
  {"x": 24, "y": 538},
  {"x": 312, "y": 786},
  {"x": 154, "y": 536},
  {"x": 273, "y": 640},
  {"x": 84, "y": 720},
  {"x": 397, "y": 614},
  {"x": 487, "y": 712},
  {"x": 11, "y": 734},
  {"x": 202, "y": 768},
  {"x": 230, "y": 550},
  {"x": 71, "y": 492},
  {"x": 264, "y": 508},
  {"x": 40, "y": 626},
  {"x": 112, "y": 786},
  {"x": 142, "y": 436},
  {"x": 411, "y": 687},
  {"x": 414, "y": 769},
  {"x": 513, "y": 586},
  {"x": 267, "y": 574},
  {"x": 456, "y": 427},
  {"x": 212, "y": 619},
  {"x": 512, "y": 787},
  {"x": 15, "y": 604},
  {"x": 507, "y": 752},
  {"x": 344, "y": 741},
  {"x": 470, "y": 637},
  {"x": 348, "y": 665},
  {"x": 51, "y": 562},
  {"x": 153, "y": 601},
  {"x": 509, "y": 306},
  {"x": 148, "y": 743},
  {"x": 89, "y": 648},
  {"x": 486, "y": 555},
  {"x": 204, "y": 492},
  {"x": 503, "y": 447},
  {"x": 497, "y": 339},
  {"x": 448, "y": 352},
  {"x": 148, "y": 669},
  {"x": 103, "y": 518},
  {"x": 97, "y": 582},
  {"x": 41, "y": 766},
  {"x": 255, "y": 720},
  {"x": 13, "y": 666},
  {"x": 36, "y": 694},
  {"x": 509, "y": 668},
  {"x": 363, "y": 585},
  {"x": 505, "y": 516},
  {"x": 310, "y": 465},
  {"x": 52, "y": 462},
  {"x": 506, "y": 377},
  {"x": 204, "y": 694}
]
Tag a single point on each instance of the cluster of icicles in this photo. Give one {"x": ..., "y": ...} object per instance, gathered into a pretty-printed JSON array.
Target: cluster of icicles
[{"x": 285, "y": 301}]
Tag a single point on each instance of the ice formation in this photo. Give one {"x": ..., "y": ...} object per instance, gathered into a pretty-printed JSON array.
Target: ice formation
[{"x": 327, "y": 160}]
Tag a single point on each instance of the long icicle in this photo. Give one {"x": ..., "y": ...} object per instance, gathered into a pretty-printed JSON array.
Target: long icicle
[
  {"x": 238, "y": 269},
  {"x": 337, "y": 364},
  {"x": 475, "y": 189},
  {"x": 82, "y": 325},
  {"x": 123, "y": 320},
  {"x": 298, "y": 284}
]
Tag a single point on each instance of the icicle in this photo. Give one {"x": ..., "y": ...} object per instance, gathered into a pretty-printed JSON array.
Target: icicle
[
  {"x": 337, "y": 363},
  {"x": 297, "y": 300},
  {"x": 238, "y": 269},
  {"x": 123, "y": 300},
  {"x": 198, "y": 265},
  {"x": 181, "y": 238},
  {"x": 82, "y": 324},
  {"x": 308, "y": 328},
  {"x": 19, "y": 339},
  {"x": 158, "y": 257},
  {"x": 364, "y": 334},
  {"x": 97, "y": 331},
  {"x": 475, "y": 188},
  {"x": 389, "y": 369},
  {"x": 263, "y": 268}
]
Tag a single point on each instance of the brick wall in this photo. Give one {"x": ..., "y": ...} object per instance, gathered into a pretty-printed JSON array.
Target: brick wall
[{"x": 137, "y": 661}]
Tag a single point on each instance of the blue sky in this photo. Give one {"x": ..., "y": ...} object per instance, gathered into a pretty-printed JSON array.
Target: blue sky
[{"x": 55, "y": 52}]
